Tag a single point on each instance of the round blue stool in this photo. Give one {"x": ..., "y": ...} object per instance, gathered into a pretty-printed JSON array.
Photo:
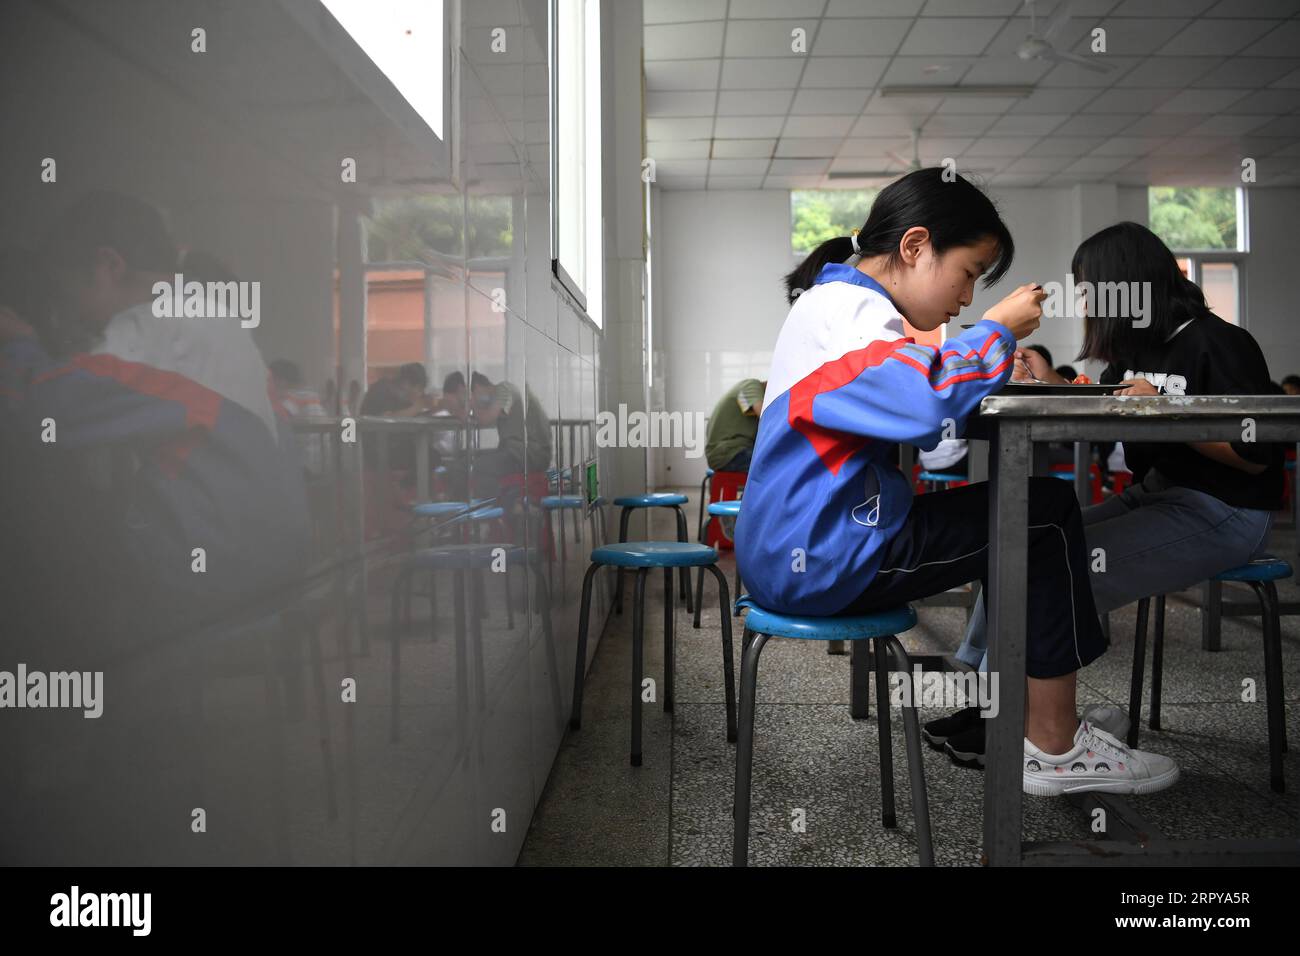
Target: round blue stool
[
  {"x": 1260, "y": 574},
  {"x": 936, "y": 478},
  {"x": 882, "y": 627},
  {"x": 657, "y": 499},
  {"x": 717, "y": 509},
  {"x": 642, "y": 556}
]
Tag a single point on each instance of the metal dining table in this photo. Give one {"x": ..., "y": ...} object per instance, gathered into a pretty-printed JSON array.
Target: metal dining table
[{"x": 1013, "y": 425}]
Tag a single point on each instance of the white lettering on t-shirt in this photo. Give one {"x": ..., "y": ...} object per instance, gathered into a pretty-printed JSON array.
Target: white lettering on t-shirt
[{"x": 1171, "y": 383}]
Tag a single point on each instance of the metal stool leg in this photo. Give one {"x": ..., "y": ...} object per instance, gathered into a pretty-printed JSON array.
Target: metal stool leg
[
  {"x": 915, "y": 767},
  {"x": 745, "y": 748},
  {"x": 1267, "y": 593},
  {"x": 668, "y": 640},
  {"x": 1139, "y": 664},
  {"x": 704, "y": 498},
  {"x": 401, "y": 588},
  {"x": 859, "y": 681},
  {"x": 1157, "y": 663},
  {"x": 888, "y": 815},
  {"x": 728, "y": 668},
  {"x": 580, "y": 670},
  {"x": 686, "y": 572},
  {"x": 699, "y": 599},
  {"x": 1211, "y": 615},
  {"x": 638, "y": 661},
  {"x": 623, "y": 518}
]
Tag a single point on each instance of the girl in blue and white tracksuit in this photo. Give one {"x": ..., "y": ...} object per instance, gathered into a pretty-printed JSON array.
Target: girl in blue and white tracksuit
[{"x": 830, "y": 525}]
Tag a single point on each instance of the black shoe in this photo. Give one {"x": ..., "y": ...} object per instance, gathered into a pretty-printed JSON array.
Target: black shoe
[
  {"x": 937, "y": 732},
  {"x": 967, "y": 747}
]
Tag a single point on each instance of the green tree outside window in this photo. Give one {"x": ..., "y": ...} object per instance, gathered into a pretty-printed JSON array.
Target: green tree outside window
[
  {"x": 1192, "y": 218},
  {"x": 820, "y": 214}
]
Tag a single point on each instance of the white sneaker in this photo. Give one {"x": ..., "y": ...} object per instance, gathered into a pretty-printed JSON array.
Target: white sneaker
[
  {"x": 1099, "y": 761},
  {"x": 1107, "y": 717}
]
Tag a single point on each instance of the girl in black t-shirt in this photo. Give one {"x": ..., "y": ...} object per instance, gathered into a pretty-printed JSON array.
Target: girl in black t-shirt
[{"x": 1194, "y": 509}]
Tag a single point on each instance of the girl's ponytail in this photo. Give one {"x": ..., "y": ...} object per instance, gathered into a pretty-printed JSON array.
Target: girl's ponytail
[{"x": 803, "y": 276}]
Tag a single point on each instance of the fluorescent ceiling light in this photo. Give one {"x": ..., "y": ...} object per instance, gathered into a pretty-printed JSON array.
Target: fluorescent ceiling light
[{"x": 404, "y": 39}]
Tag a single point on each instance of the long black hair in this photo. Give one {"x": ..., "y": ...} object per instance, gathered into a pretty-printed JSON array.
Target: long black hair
[
  {"x": 1130, "y": 253},
  {"x": 955, "y": 211}
]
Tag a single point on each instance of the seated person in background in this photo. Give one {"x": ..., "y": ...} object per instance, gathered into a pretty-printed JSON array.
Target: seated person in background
[
  {"x": 733, "y": 427},
  {"x": 184, "y": 401},
  {"x": 296, "y": 400},
  {"x": 398, "y": 396},
  {"x": 523, "y": 429},
  {"x": 1067, "y": 372},
  {"x": 1291, "y": 385}
]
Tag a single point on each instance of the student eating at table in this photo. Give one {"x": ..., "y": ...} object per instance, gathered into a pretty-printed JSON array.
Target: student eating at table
[
  {"x": 830, "y": 526},
  {"x": 1193, "y": 510}
]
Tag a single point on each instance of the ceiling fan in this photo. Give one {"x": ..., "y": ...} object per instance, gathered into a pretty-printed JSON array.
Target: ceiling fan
[{"x": 1038, "y": 46}]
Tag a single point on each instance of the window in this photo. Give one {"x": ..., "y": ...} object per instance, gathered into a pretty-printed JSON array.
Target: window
[
  {"x": 577, "y": 247},
  {"x": 404, "y": 39},
  {"x": 1207, "y": 229},
  {"x": 820, "y": 214}
]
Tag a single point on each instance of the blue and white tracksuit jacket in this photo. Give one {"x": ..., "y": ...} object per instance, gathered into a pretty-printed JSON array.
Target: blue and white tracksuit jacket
[
  {"x": 824, "y": 495},
  {"x": 217, "y": 467}
]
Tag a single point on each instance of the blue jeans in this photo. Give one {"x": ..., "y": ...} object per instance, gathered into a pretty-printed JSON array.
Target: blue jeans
[
  {"x": 739, "y": 462},
  {"x": 1155, "y": 539}
]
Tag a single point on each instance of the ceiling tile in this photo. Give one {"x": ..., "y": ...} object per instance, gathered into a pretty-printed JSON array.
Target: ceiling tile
[
  {"x": 1282, "y": 41},
  {"x": 743, "y": 148},
  {"x": 683, "y": 41},
  {"x": 1216, "y": 37},
  {"x": 1055, "y": 101},
  {"x": 1251, "y": 71},
  {"x": 761, "y": 74},
  {"x": 1093, "y": 124},
  {"x": 1071, "y": 74},
  {"x": 874, "y": 8},
  {"x": 748, "y": 127},
  {"x": 738, "y": 167},
  {"x": 678, "y": 149},
  {"x": 661, "y": 103},
  {"x": 754, "y": 102},
  {"x": 767, "y": 38},
  {"x": 927, "y": 70},
  {"x": 810, "y": 126},
  {"x": 1162, "y": 124},
  {"x": 1097, "y": 164},
  {"x": 1126, "y": 100},
  {"x": 665, "y": 129},
  {"x": 1171, "y": 71},
  {"x": 680, "y": 183},
  {"x": 799, "y": 166},
  {"x": 681, "y": 167},
  {"x": 885, "y": 125},
  {"x": 1008, "y": 70},
  {"x": 1128, "y": 146},
  {"x": 1127, "y": 36},
  {"x": 1268, "y": 101},
  {"x": 960, "y": 123},
  {"x": 1282, "y": 126},
  {"x": 1230, "y": 124},
  {"x": 1204, "y": 102},
  {"x": 1024, "y": 124},
  {"x": 844, "y": 71},
  {"x": 830, "y": 102},
  {"x": 1037, "y": 164},
  {"x": 674, "y": 11},
  {"x": 950, "y": 36},
  {"x": 971, "y": 8},
  {"x": 770, "y": 9},
  {"x": 873, "y": 37},
  {"x": 1279, "y": 9},
  {"x": 791, "y": 147},
  {"x": 1066, "y": 146},
  {"x": 735, "y": 182},
  {"x": 1161, "y": 8},
  {"x": 1001, "y": 146},
  {"x": 682, "y": 74}
]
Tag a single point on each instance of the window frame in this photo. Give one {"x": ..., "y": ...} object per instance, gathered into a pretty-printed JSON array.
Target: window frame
[
  {"x": 589, "y": 307},
  {"x": 1197, "y": 258}
]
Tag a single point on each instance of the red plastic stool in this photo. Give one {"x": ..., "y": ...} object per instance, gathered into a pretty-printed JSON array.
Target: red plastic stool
[{"x": 724, "y": 486}]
